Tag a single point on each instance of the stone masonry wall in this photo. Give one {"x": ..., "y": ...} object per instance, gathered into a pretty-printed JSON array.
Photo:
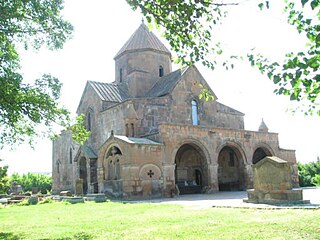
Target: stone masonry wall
[
  {"x": 212, "y": 140},
  {"x": 63, "y": 165},
  {"x": 91, "y": 102},
  {"x": 145, "y": 60},
  {"x": 141, "y": 168}
]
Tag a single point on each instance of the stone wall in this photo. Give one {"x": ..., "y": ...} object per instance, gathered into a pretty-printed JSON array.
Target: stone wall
[
  {"x": 91, "y": 102},
  {"x": 140, "y": 170},
  {"x": 147, "y": 61},
  {"x": 213, "y": 140},
  {"x": 63, "y": 165}
]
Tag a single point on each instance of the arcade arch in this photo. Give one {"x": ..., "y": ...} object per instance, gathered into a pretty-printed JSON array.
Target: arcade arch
[
  {"x": 260, "y": 153},
  {"x": 191, "y": 172},
  {"x": 231, "y": 170}
]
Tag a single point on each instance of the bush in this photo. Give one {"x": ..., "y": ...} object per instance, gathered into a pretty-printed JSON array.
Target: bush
[
  {"x": 25, "y": 202},
  {"x": 316, "y": 180},
  {"x": 4, "y": 179},
  {"x": 309, "y": 173},
  {"x": 30, "y": 180},
  {"x": 46, "y": 200}
]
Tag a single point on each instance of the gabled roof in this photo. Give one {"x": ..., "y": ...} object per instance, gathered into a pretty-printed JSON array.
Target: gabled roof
[
  {"x": 271, "y": 159},
  {"x": 166, "y": 83},
  {"x": 143, "y": 39},
  {"x": 109, "y": 92},
  {"x": 87, "y": 151},
  {"x": 226, "y": 109}
]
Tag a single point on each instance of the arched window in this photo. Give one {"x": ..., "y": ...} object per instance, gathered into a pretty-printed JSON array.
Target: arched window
[
  {"x": 127, "y": 130},
  {"x": 89, "y": 121},
  {"x": 58, "y": 163},
  {"x": 161, "y": 71},
  {"x": 132, "y": 130},
  {"x": 70, "y": 156},
  {"x": 120, "y": 77},
  {"x": 195, "y": 120}
]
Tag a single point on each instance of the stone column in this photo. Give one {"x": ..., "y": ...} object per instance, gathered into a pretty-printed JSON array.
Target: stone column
[
  {"x": 295, "y": 176},
  {"x": 213, "y": 184},
  {"x": 100, "y": 173},
  {"x": 88, "y": 176},
  {"x": 248, "y": 176},
  {"x": 168, "y": 179}
]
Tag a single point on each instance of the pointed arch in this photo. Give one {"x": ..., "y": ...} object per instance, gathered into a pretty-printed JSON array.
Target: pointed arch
[
  {"x": 194, "y": 112},
  {"x": 89, "y": 119},
  {"x": 161, "y": 71},
  {"x": 231, "y": 167},
  {"x": 261, "y": 151}
]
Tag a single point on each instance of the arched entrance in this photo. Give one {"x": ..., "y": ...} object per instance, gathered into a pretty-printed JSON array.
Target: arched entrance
[
  {"x": 191, "y": 170},
  {"x": 231, "y": 169},
  {"x": 112, "y": 164},
  {"x": 83, "y": 174},
  {"x": 259, "y": 154}
]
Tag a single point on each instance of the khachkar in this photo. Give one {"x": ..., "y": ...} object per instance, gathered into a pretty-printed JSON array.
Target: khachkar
[{"x": 272, "y": 182}]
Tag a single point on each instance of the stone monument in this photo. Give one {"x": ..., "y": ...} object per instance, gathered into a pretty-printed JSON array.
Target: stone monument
[{"x": 272, "y": 182}]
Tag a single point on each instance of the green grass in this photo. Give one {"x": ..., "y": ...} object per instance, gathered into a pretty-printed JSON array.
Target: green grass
[{"x": 154, "y": 221}]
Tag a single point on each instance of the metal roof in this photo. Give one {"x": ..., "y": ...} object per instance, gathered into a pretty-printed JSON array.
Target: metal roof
[
  {"x": 143, "y": 39},
  {"x": 134, "y": 140},
  {"x": 109, "y": 91},
  {"x": 165, "y": 84},
  {"x": 89, "y": 152}
]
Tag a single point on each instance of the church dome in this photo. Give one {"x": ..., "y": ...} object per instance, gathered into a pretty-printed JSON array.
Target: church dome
[
  {"x": 143, "y": 39},
  {"x": 263, "y": 127}
]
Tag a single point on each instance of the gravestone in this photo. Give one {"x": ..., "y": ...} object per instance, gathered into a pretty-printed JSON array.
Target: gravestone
[
  {"x": 272, "y": 183},
  {"x": 79, "y": 187},
  {"x": 15, "y": 188},
  {"x": 97, "y": 197},
  {"x": 34, "y": 190},
  {"x": 66, "y": 194}
]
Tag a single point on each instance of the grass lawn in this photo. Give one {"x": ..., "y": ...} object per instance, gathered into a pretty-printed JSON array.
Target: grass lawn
[{"x": 154, "y": 221}]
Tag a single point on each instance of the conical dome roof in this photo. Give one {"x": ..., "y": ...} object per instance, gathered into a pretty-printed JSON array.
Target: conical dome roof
[
  {"x": 143, "y": 39},
  {"x": 263, "y": 127}
]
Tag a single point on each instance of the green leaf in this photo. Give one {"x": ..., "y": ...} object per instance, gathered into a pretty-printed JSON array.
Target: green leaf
[
  {"x": 303, "y": 2},
  {"x": 276, "y": 79}
]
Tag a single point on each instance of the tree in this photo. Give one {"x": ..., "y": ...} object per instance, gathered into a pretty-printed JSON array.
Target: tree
[
  {"x": 189, "y": 27},
  {"x": 26, "y": 108},
  {"x": 33, "y": 180},
  {"x": 4, "y": 179},
  {"x": 309, "y": 173}
]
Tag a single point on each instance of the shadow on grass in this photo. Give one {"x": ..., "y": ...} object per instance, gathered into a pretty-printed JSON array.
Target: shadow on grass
[
  {"x": 78, "y": 236},
  {"x": 8, "y": 236}
]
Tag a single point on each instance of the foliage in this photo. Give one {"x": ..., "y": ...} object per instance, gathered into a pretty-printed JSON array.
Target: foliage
[
  {"x": 30, "y": 180},
  {"x": 26, "y": 108},
  {"x": 156, "y": 221},
  {"x": 46, "y": 200},
  {"x": 24, "y": 202},
  {"x": 298, "y": 76},
  {"x": 9, "y": 236},
  {"x": 189, "y": 28},
  {"x": 205, "y": 93},
  {"x": 316, "y": 180},
  {"x": 79, "y": 132},
  {"x": 4, "y": 179},
  {"x": 309, "y": 173}
]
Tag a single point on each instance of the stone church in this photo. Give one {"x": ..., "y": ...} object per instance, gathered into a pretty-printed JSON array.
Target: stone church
[{"x": 151, "y": 136}]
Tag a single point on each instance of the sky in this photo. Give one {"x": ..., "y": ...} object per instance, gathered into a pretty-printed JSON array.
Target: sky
[{"x": 101, "y": 29}]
